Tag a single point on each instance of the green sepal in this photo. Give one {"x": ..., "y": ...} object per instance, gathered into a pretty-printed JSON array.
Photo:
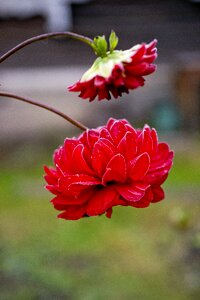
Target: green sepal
[
  {"x": 113, "y": 41},
  {"x": 100, "y": 45}
]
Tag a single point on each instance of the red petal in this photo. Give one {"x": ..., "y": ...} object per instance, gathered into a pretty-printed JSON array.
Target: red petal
[
  {"x": 68, "y": 148},
  {"x": 50, "y": 180},
  {"x": 162, "y": 152},
  {"x": 149, "y": 70},
  {"x": 158, "y": 166},
  {"x": 137, "y": 69},
  {"x": 106, "y": 134},
  {"x": 103, "y": 94},
  {"x": 132, "y": 82},
  {"x": 127, "y": 146},
  {"x": 115, "y": 170},
  {"x": 74, "y": 184},
  {"x": 79, "y": 162},
  {"x": 138, "y": 53},
  {"x": 51, "y": 176},
  {"x": 158, "y": 194},
  {"x": 73, "y": 212},
  {"x": 149, "y": 58},
  {"x": 90, "y": 138},
  {"x": 102, "y": 152},
  {"x": 115, "y": 91},
  {"x": 110, "y": 122},
  {"x": 88, "y": 90},
  {"x": 145, "y": 140},
  {"x": 60, "y": 202},
  {"x": 130, "y": 128},
  {"x": 109, "y": 213},
  {"x": 138, "y": 167},
  {"x": 54, "y": 189},
  {"x": 145, "y": 201},
  {"x": 101, "y": 201},
  {"x": 99, "y": 81},
  {"x": 117, "y": 79},
  {"x": 75, "y": 87},
  {"x": 90, "y": 93},
  {"x": 151, "y": 45},
  {"x": 154, "y": 140},
  {"x": 58, "y": 155},
  {"x": 132, "y": 192},
  {"x": 156, "y": 177},
  {"x": 50, "y": 171},
  {"x": 117, "y": 131}
]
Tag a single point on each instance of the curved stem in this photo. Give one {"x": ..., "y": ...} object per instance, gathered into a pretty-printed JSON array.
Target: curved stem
[
  {"x": 30, "y": 101},
  {"x": 45, "y": 36}
]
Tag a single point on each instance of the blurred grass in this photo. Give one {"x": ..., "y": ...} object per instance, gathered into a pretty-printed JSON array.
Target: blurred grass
[{"x": 142, "y": 254}]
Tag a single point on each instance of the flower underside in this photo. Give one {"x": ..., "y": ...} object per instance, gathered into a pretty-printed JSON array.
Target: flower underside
[{"x": 117, "y": 72}]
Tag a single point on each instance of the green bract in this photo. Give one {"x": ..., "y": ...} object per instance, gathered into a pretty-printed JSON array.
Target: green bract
[
  {"x": 100, "y": 44},
  {"x": 113, "y": 41}
]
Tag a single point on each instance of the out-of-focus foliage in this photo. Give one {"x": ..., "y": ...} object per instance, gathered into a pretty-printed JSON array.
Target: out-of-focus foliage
[{"x": 138, "y": 254}]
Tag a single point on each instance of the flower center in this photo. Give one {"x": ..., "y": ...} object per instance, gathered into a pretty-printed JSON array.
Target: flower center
[{"x": 109, "y": 183}]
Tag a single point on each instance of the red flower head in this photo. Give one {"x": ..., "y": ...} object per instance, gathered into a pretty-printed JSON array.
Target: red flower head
[
  {"x": 117, "y": 72},
  {"x": 112, "y": 165}
]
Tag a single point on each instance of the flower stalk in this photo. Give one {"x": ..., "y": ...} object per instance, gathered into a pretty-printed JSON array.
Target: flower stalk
[
  {"x": 49, "y": 108},
  {"x": 64, "y": 34}
]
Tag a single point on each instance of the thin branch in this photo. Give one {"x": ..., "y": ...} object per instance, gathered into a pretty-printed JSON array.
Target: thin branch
[
  {"x": 30, "y": 101},
  {"x": 45, "y": 36}
]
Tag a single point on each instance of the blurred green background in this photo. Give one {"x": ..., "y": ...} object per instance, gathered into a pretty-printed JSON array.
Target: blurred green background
[{"x": 150, "y": 253}]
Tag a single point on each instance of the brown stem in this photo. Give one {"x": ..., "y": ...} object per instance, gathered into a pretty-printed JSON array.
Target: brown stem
[
  {"x": 30, "y": 101},
  {"x": 45, "y": 36}
]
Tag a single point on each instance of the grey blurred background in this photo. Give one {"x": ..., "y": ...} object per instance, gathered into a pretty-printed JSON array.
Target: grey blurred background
[{"x": 170, "y": 99}]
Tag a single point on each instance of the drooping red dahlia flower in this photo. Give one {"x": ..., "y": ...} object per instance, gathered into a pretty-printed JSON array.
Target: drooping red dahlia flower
[
  {"x": 112, "y": 165},
  {"x": 117, "y": 72}
]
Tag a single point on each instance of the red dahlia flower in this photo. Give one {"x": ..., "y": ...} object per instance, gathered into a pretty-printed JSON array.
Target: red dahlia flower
[
  {"x": 117, "y": 72},
  {"x": 112, "y": 165}
]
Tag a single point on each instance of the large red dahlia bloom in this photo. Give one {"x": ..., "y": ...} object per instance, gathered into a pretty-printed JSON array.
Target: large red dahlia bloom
[
  {"x": 117, "y": 73},
  {"x": 112, "y": 165}
]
